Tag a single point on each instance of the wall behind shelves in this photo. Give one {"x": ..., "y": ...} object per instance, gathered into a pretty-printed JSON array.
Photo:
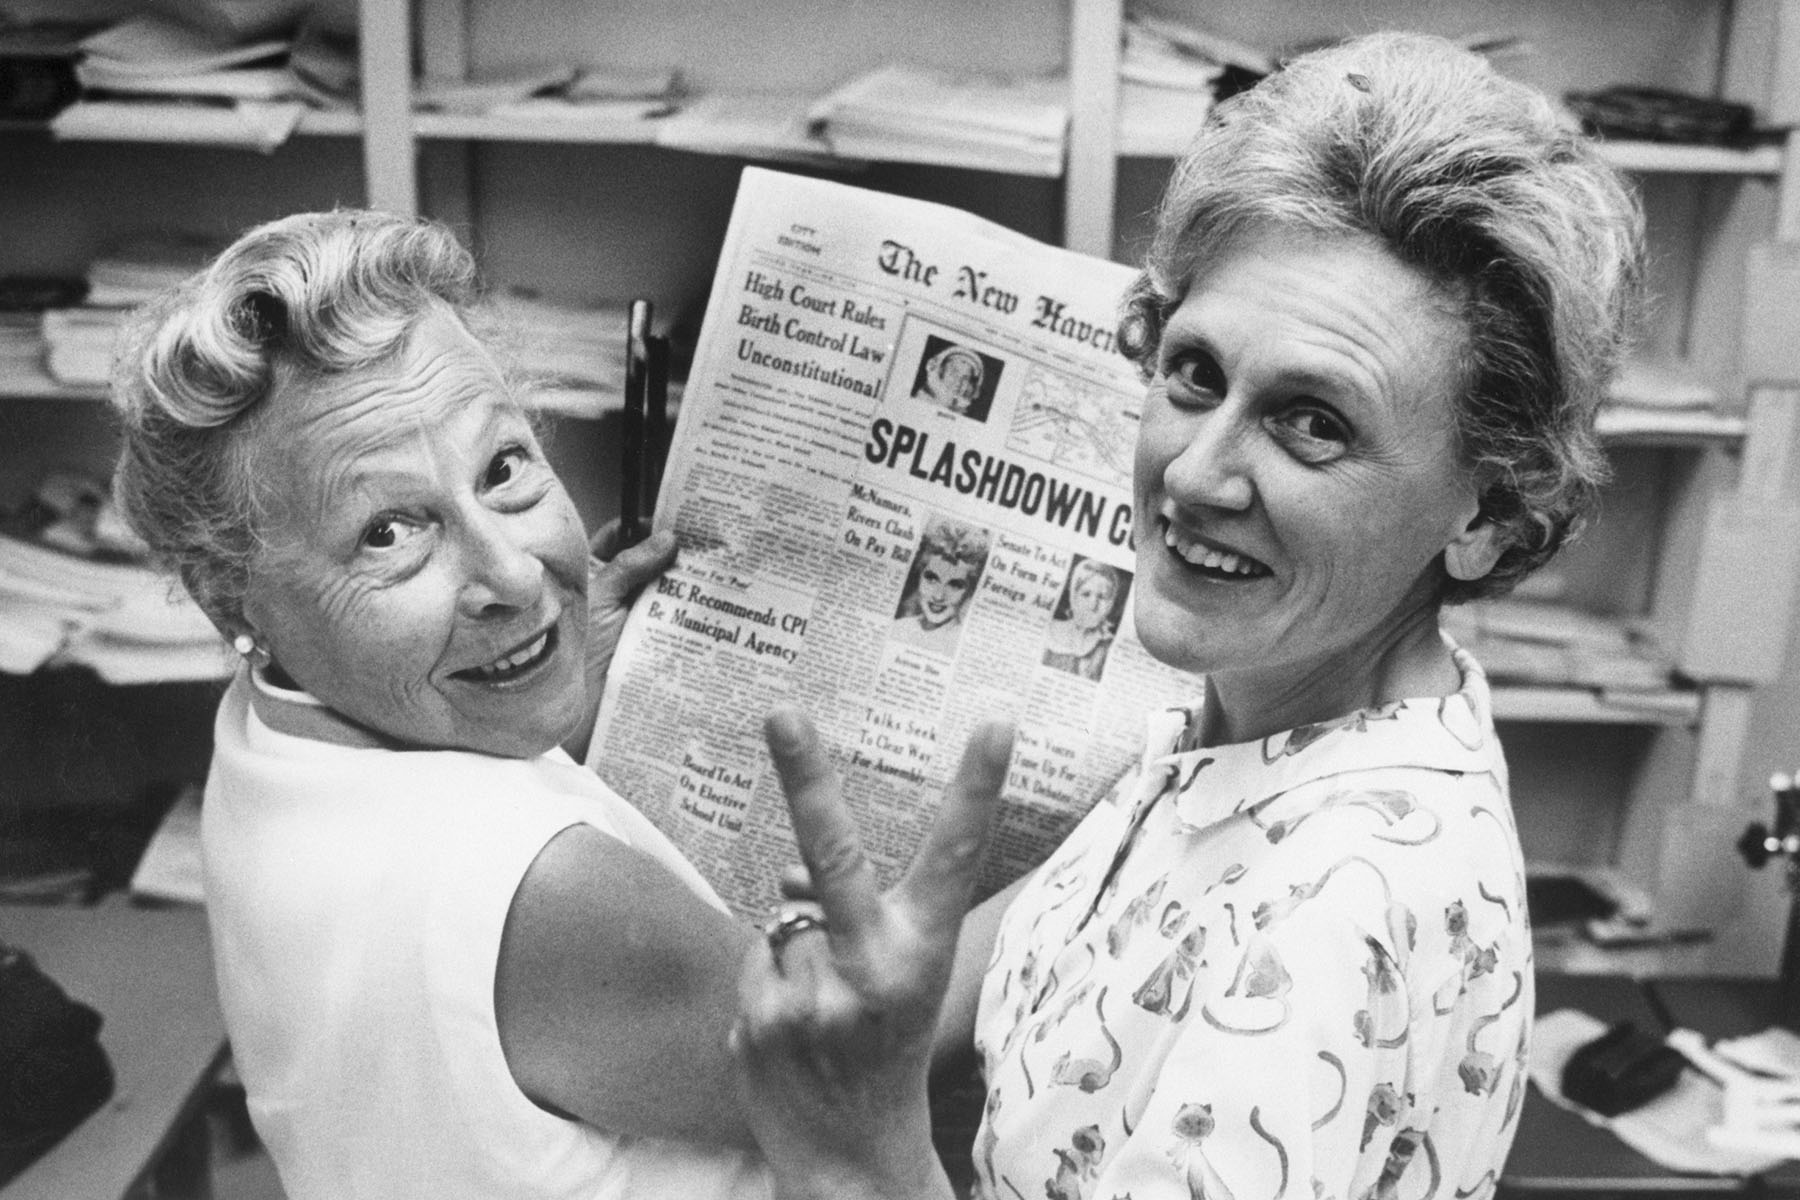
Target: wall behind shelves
[
  {"x": 773, "y": 45},
  {"x": 63, "y": 203}
]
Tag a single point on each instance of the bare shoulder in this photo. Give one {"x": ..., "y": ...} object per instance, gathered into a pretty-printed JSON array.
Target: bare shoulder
[{"x": 614, "y": 987}]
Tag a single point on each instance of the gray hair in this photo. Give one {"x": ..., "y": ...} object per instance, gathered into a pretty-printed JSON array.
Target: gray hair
[
  {"x": 1471, "y": 179},
  {"x": 290, "y": 303}
]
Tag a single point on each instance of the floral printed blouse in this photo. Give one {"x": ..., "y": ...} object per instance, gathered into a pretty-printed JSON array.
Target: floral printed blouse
[{"x": 1295, "y": 967}]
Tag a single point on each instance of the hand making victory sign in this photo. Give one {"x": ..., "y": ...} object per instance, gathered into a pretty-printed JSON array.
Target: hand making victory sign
[{"x": 837, "y": 1008}]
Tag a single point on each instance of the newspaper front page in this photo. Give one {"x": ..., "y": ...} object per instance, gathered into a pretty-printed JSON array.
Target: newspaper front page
[{"x": 901, "y": 483}]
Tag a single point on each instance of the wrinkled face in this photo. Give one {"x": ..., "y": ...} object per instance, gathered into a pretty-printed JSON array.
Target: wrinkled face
[
  {"x": 1090, "y": 600},
  {"x": 943, "y": 586},
  {"x": 958, "y": 383},
  {"x": 1296, "y": 471},
  {"x": 425, "y": 573}
]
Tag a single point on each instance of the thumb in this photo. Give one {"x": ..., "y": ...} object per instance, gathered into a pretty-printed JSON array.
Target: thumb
[{"x": 617, "y": 581}]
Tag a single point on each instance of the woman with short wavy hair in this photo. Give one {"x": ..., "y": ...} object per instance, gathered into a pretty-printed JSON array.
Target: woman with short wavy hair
[
  {"x": 452, "y": 962},
  {"x": 1289, "y": 955}
]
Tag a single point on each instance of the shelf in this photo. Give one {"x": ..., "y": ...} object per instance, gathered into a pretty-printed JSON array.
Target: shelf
[
  {"x": 43, "y": 387},
  {"x": 1671, "y": 427},
  {"x": 1658, "y": 158},
  {"x": 331, "y": 123},
  {"x": 578, "y": 128},
  {"x": 1588, "y": 706},
  {"x": 313, "y": 123},
  {"x": 1161, "y": 139}
]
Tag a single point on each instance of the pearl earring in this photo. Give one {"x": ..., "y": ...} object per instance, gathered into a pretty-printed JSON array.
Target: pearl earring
[{"x": 243, "y": 643}]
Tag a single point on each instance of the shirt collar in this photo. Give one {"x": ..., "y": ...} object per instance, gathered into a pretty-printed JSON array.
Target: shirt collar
[
  {"x": 1453, "y": 733},
  {"x": 301, "y": 714}
]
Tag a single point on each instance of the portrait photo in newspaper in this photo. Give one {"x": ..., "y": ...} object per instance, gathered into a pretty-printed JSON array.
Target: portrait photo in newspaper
[
  {"x": 1087, "y": 617},
  {"x": 946, "y": 568},
  {"x": 956, "y": 377}
]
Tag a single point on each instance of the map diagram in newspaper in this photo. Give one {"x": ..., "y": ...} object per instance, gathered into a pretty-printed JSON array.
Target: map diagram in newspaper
[{"x": 1074, "y": 424}]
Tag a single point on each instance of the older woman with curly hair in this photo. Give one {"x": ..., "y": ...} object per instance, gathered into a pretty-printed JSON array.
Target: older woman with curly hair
[
  {"x": 1290, "y": 953},
  {"x": 451, "y": 961}
]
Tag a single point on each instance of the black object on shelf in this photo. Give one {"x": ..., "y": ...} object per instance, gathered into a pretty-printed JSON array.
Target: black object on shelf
[
  {"x": 1660, "y": 115},
  {"x": 51, "y": 1060},
  {"x": 1622, "y": 1069},
  {"x": 37, "y": 69},
  {"x": 1555, "y": 899}
]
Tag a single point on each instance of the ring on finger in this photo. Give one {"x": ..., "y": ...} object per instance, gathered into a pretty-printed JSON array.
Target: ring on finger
[{"x": 789, "y": 925}]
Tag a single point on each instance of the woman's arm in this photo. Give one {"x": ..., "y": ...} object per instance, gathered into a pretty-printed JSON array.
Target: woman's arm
[{"x": 613, "y": 991}]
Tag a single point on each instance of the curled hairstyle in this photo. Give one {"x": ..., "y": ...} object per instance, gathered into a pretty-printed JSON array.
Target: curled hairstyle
[
  {"x": 1470, "y": 179},
  {"x": 955, "y": 543},
  {"x": 291, "y": 303}
]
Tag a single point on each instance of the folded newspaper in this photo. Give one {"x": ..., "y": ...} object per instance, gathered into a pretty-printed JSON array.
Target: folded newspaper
[{"x": 901, "y": 483}]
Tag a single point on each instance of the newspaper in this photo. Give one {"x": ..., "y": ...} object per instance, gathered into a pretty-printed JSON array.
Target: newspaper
[{"x": 905, "y": 432}]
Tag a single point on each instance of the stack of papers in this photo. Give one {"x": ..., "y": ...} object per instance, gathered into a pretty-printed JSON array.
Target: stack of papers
[
  {"x": 1549, "y": 645},
  {"x": 22, "y": 352},
  {"x": 901, "y": 113},
  {"x": 574, "y": 356},
  {"x": 1166, "y": 77},
  {"x": 152, "y": 77},
  {"x": 774, "y": 128},
  {"x": 556, "y": 93},
  {"x": 78, "y": 344},
  {"x": 130, "y": 623},
  {"x": 79, "y": 341}
]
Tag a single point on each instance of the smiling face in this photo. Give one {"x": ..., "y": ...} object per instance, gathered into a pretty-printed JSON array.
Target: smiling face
[
  {"x": 1296, "y": 475},
  {"x": 943, "y": 587},
  {"x": 425, "y": 572}
]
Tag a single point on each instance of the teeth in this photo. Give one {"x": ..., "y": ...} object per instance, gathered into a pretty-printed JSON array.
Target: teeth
[
  {"x": 1204, "y": 556},
  {"x": 513, "y": 662}
]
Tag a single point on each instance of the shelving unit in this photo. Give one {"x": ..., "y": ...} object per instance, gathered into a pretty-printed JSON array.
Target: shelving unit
[{"x": 585, "y": 204}]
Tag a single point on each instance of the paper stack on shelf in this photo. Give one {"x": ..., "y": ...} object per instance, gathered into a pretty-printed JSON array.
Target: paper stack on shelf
[
  {"x": 574, "y": 356},
  {"x": 153, "y": 77},
  {"x": 72, "y": 590},
  {"x": 566, "y": 95},
  {"x": 488, "y": 92},
  {"x": 1642, "y": 383},
  {"x": 1165, "y": 86},
  {"x": 23, "y": 301},
  {"x": 1553, "y": 645},
  {"x": 79, "y": 340},
  {"x": 766, "y": 127},
  {"x": 901, "y": 113},
  {"x": 22, "y": 354}
]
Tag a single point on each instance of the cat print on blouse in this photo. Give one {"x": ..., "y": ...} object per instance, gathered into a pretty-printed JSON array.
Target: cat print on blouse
[{"x": 1310, "y": 978}]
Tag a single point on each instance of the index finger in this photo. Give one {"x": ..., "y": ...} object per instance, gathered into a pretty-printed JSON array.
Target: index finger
[
  {"x": 844, "y": 882},
  {"x": 937, "y": 884}
]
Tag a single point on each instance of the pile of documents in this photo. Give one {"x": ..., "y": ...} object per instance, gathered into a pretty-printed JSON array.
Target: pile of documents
[
  {"x": 1553, "y": 645},
  {"x": 1168, "y": 72},
  {"x": 574, "y": 355},
  {"x": 900, "y": 113},
  {"x": 208, "y": 73},
  {"x": 69, "y": 593},
  {"x": 79, "y": 341}
]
